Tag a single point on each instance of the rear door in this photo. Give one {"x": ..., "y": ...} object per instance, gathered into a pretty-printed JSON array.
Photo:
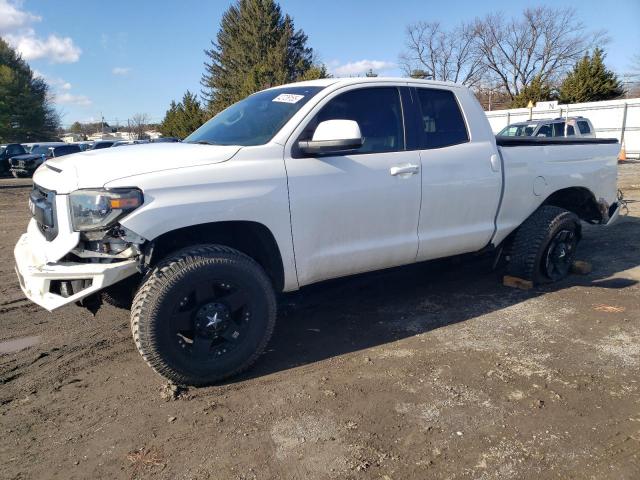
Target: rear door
[
  {"x": 461, "y": 178},
  {"x": 356, "y": 211}
]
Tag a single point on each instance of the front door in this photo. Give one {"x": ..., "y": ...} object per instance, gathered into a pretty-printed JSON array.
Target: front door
[{"x": 359, "y": 211}]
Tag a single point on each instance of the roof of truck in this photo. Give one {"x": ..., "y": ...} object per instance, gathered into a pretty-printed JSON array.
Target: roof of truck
[{"x": 325, "y": 82}]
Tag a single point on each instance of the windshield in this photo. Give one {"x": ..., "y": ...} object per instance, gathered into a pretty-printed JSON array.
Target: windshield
[
  {"x": 522, "y": 130},
  {"x": 254, "y": 120}
]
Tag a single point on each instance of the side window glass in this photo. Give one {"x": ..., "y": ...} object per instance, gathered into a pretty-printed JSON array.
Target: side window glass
[
  {"x": 15, "y": 150},
  {"x": 583, "y": 127},
  {"x": 544, "y": 131},
  {"x": 558, "y": 129},
  {"x": 442, "y": 122},
  {"x": 378, "y": 112},
  {"x": 570, "y": 131}
]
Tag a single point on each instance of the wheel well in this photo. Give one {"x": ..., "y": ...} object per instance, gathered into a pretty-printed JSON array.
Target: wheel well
[
  {"x": 251, "y": 238},
  {"x": 578, "y": 200}
]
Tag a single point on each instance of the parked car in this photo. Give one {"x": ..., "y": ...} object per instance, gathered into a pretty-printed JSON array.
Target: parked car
[
  {"x": 165, "y": 140},
  {"x": 25, "y": 165},
  {"x": 352, "y": 175},
  {"x": 6, "y": 153},
  {"x": 556, "y": 127},
  {"x": 30, "y": 146},
  {"x": 100, "y": 144},
  {"x": 122, "y": 143},
  {"x": 84, "y": 145}
]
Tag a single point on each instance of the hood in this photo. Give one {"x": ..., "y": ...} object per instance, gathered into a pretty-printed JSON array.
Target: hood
[{"x": 95, "y": 168}]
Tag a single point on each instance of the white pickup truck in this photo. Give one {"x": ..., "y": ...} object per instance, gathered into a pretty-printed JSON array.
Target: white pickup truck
[{"x": 295, "y": 185}]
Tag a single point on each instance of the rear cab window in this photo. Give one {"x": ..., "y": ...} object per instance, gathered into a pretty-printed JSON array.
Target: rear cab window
[{"x": 442, "y": 123}]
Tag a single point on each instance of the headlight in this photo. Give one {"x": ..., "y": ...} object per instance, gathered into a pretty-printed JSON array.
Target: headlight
[{"x": 98, "y": 209}]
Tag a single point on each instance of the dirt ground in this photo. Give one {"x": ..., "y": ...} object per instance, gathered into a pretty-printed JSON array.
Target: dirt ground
[{"x": 429, "y": 371}]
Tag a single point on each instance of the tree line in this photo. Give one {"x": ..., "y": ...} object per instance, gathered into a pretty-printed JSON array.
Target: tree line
[
  {"x": 136, "y": 127},
  {"x": 257, "y": 47},
  {"x": 26, "y": 110},
  {"x": 545, "y": 54}
]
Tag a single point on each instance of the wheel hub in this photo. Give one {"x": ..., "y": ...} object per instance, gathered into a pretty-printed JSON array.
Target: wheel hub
[
  {"x": 560, "y": 254},
  {"x": 211, "y": 319}
]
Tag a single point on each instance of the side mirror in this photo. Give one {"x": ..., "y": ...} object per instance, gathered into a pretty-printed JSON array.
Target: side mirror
[{"x": 333, "y": 136}]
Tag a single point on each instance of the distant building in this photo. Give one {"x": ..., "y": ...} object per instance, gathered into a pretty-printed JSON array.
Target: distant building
[{"x": 72, "y": 137}]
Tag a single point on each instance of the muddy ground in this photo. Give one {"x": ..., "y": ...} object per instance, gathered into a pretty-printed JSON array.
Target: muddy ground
[{"x": 429, "y": 371}]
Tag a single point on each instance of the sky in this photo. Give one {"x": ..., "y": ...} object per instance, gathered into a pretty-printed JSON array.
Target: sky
[{"x": 118, "y": 58}]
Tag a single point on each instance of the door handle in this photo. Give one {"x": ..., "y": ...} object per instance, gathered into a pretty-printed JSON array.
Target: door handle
[{"x": 404, "y": 169}]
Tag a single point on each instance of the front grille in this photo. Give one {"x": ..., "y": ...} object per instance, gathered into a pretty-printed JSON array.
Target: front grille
[{"x": 42, "y": 204}]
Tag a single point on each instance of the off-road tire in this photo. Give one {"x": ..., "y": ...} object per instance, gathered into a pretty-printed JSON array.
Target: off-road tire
[
  {"x": 532, "y": 239},
  {"x": 162, "y": 287},
  {"x": 121, "y": 294}
]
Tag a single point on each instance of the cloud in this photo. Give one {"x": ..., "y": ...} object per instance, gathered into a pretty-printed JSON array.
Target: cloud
[
  {"x": 53, "y": 48},
  {"x": 121, "y": 71},
  {"x": 60, "y": 91},
  {"x": 360, "y": 67},
  {"x": 71, "y": 99},
  {"x": 54, "y": 82},
  {"x": 15, "y": 27},
  {"x": 12, "y": 18}
]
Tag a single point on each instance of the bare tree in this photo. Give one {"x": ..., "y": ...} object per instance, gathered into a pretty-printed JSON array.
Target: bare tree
[
  {"x": 545, "y": 42},
  {"x": 137, "y": 125},
  {"x": 434, "y": 53},
  {"x": 631, "y": 78}
]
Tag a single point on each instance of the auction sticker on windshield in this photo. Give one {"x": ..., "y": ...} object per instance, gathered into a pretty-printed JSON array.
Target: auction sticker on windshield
[{"x": 288, "y": 98}]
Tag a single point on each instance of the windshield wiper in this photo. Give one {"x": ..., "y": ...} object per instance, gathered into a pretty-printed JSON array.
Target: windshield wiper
[{"x": 203, "y": 142}]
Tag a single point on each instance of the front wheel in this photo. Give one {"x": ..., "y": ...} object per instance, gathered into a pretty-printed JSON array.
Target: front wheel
[
  {"x": 203, "y": 315},
  {"x": 544, "y": 246}
]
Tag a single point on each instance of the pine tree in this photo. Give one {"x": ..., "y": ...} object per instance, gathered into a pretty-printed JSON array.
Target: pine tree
[
  {"x": 590, "y": 81},
  {"x": 538, "y": 90},
  {"x": 26, "y": 113},
  {"x": 184, "y": 117},
  {"x": 256, "y": 47}
]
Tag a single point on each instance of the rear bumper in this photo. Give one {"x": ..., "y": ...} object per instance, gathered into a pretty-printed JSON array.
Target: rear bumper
[{"x": 41, "y": 282}]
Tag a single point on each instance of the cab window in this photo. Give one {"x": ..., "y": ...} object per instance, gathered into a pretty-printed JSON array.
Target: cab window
[
  {"x": 442, "y": 124},
  {"x": 378, "y": 112},
  {"x": 583, "y": 127}
]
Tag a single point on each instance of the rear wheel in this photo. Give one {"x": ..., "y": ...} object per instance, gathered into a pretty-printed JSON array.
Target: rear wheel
[
  {"x": 203, "y": 315},
  {"x": 544, "y": 246}
]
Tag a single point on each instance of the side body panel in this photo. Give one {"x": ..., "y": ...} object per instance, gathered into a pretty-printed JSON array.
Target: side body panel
[
  {"x": 252, "y": 186},
  {"x": 349, "y": 213},
  {"x": 532, "y": 173},
  {"x": 461, "y": 188}
]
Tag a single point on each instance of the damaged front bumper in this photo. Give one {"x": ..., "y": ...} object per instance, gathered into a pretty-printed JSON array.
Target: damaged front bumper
[{"x": 55, "y": 284}]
